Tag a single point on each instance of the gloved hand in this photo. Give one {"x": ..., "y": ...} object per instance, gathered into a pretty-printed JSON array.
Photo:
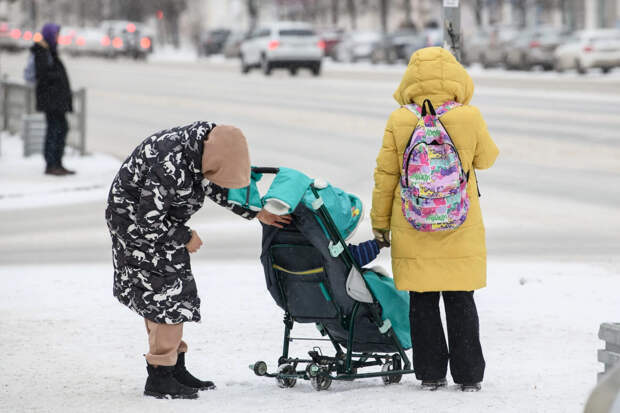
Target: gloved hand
[{"x": 382, "y": 236}]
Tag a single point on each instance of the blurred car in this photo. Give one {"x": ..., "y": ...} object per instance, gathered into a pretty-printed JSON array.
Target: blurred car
[
  {"x": 535, "y": 47},
  {"x": 126, "y": 38},
  {"x": 232, "y": 47},
  {"x": 14, "y": 39},
  {"x": 398, "y": 46},
  {"x": 86, "y": 41},
  {"x": 356, "y": 46},
  {"x": 291, "y": 45},
  {"x": 589, "y": 49},
  {"x": 212, "y": 42},
  {"x": 490, "y": 46},
  {"x": 474, "y": 46},
  {"x": 331, "y": 39},
  {"x": 427, "y": 38}
]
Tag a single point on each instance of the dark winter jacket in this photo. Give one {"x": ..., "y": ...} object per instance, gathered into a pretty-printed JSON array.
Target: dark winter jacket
[
  {"x": 158, "y": 188},
  {"x": 53, "y": 90}
]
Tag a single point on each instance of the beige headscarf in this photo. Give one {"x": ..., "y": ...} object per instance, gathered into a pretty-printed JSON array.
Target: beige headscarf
[{"x": 226, "y": 158}]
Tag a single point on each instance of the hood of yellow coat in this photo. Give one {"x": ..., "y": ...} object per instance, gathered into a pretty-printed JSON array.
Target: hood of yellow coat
[{"x": 433, "y": 73}]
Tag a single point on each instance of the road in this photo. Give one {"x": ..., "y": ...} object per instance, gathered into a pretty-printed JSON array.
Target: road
[{"x": 552, "y": 195}]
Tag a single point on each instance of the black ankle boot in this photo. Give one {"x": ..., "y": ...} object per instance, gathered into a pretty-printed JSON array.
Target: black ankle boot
[
  {"x": 162, "y": 384},
  {"x": 433, "y": 385},
  {"x": 183, "y": 376}
]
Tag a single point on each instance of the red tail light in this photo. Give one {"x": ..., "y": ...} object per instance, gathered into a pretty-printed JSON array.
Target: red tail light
[
  {"x": 588, "y": 49},
  {"x": 16, "y": 33},
  {"x": 27, "y": 35},
  {"x": 322, "y": 44},
  {"x": 117, "y": 43},
  {"x": 534, "y": 44},
  {"x": 131, "y": 27},
  {"x": 64, "y": 40},
  {"x": 105, "y": 41},
  {"x": 80, "y": 41},
  {"x": 37, "y": 37},
  {"x": 145, "y": 43},
  {"x": 273, "y": 45}
]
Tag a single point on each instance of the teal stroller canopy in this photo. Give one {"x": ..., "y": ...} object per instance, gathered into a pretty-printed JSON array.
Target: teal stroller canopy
[{"x": 291, "y": 188}]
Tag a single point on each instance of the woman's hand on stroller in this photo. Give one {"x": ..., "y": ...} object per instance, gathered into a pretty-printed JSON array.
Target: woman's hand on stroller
[
  {"x": 382, "y": 236},
  {"x": 278, "y": 221},
  {"x": 194, "y": 243}
]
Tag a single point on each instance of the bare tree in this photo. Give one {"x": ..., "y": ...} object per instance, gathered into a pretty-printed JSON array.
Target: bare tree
[
  {"x": 408, "y": 14},
  {"x": 335, "y": 10},
  {"x": 383, "y": 12},
  {"x": 351, "y": 9},
  {"x": 253, "y": 13}
]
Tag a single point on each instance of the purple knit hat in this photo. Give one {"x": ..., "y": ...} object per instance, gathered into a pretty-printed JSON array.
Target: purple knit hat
[{"x": 49, "y": 33}]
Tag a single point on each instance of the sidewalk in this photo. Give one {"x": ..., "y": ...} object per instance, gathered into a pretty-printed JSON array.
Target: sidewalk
[{"x": 24, "y": 185}]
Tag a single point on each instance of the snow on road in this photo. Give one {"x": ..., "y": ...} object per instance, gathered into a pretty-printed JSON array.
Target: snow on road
[{"x": 68, "y": 346}]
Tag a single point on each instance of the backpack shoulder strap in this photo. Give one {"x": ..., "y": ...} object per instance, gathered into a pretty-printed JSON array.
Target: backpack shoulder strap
[
  {"x": 417, "y": 111},
  {"x": 446, "y": 106}
]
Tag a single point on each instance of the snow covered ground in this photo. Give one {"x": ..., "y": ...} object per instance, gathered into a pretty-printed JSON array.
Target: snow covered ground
[
  {"x": 23, "y": 184},
  {"x": 68, "y": 346},
  {"x": 554, "y": 272}
]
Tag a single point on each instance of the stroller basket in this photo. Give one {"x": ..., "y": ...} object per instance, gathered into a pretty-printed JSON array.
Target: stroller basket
[{"x": 309, "y": 272}]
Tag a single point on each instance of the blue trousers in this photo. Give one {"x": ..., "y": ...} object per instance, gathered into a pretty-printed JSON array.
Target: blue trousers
[{"x": 55, "y": 138}]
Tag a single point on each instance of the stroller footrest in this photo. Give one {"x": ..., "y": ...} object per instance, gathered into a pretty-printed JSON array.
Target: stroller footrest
[{"x": 385, "y": 327}]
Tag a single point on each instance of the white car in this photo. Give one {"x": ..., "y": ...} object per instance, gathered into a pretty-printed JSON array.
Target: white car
[
  {"x": 589, "y": 49},
  {"x": 290, "y": 45}
]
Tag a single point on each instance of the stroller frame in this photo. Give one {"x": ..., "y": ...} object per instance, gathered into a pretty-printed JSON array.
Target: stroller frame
[{"x": 321, "y": 369}]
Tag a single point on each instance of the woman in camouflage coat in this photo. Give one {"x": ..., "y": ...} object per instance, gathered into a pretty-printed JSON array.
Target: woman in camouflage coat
[{"x": 156, "y": 191}]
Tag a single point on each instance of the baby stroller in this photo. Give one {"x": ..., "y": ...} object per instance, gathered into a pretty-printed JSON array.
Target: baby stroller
[{"x": 313, "y": 277}]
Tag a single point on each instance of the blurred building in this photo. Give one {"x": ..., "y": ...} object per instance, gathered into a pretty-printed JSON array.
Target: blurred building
[{"x": 190, "y": 17}]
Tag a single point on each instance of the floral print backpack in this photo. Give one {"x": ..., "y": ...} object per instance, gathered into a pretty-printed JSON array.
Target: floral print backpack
[{"x": 433, "y": 182}]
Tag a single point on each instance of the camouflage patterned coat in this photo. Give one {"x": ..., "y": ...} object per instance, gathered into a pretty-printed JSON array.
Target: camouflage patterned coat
[{"x": 156, "y": 191}]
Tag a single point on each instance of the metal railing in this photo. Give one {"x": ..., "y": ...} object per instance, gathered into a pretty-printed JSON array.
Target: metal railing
[{"x": 18, "y": 109}]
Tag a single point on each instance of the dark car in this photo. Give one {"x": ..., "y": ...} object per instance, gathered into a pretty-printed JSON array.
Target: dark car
[
  {"x": 213, "y": 41},
  {"x": 331, "y": 39},
  {"x": 126, "y": 38},
  {"x": 535, "y": 47}
]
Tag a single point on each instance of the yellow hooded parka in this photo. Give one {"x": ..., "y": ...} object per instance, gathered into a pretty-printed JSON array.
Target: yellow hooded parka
[{"x": 452, "y": 260}]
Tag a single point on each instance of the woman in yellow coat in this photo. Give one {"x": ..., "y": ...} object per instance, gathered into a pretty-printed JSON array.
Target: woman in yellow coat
[{"x": 429, "y": 264}]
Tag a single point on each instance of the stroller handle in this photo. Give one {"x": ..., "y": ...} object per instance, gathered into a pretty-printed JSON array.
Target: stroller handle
[{"x": 265, "y": 170}]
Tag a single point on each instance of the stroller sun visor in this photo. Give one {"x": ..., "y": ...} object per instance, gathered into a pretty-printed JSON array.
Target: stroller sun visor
[{"x": 290, "y": 188}]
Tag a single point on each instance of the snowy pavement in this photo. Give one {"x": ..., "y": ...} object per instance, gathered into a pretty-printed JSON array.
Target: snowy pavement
[
  {"x": 554, "y": 263},
  {"x": 23, "y": 184},
  {"x": 68, "y": 346}
]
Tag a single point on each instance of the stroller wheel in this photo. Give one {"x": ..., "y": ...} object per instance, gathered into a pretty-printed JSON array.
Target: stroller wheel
[
  {"x": 260, "y": 368},
  {"x": 391, "y": 365},
  {"x": 286, "y": 382},
  {"x": 321, "y": 382}
]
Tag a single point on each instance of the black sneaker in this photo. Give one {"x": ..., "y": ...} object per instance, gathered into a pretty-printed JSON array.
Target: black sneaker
[
  {"x": 432, "y": 385},
  {"x": 471, "y": 387},
  {"x": 184, "y": 377},
  {"x": 162, "y": 384}
]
